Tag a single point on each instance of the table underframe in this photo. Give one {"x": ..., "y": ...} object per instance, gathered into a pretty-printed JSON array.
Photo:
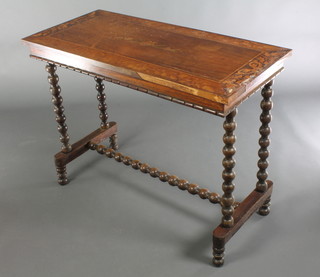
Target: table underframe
[{"x": 234, "y": 214}]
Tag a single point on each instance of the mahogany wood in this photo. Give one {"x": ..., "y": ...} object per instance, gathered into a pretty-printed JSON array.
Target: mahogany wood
[{"x": 206, "y": 69}]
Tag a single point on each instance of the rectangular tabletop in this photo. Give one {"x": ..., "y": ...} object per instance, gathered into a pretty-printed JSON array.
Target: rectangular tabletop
[{"x": 206, "y": 69}]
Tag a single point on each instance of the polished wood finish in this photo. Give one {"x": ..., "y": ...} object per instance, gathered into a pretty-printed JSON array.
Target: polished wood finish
[
  {"x": 265, "y": 208},
  {"x": 114, "y": 142},
  {"x": 57, "y": 100},
  {"x": 62, "y": 175},
  {"x": 154, "y": 172},
  {"x": 201, "y": 70},
  {"x": 102, "y": 102},
  {"x": 247, "y": 207},
  {"x": 264, "y": 141},
  {"x": 138, "y": 88},
  {"x": 205, "y": 69},
  {"x": 103, "y": 111},
  {"x": 228, "y": 174},
  {"x": 80, "y": 147}
]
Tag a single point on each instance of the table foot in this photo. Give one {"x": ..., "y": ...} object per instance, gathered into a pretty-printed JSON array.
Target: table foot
[
  {"x": 218, "y": 257},
  {"x": 221, "y": 235},
  {"x": 103, "y": 111},
  {"x": 114, "y": 142},
  {"x": 62, "y": 175},
  {"x": 265, "y": 208},
  {"x": 264, "y": 141},
  {"x": 228, "y": 174}
]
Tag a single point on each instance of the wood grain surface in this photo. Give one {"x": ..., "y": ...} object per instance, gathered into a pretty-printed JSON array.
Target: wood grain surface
[{"x": 206, "y": 69}]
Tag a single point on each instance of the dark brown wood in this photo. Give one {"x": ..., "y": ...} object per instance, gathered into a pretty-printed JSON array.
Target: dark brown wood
[
  {"x": 57, "y": 100},
  {"x": 264, "y": 141},
  {"x": 199, "y": 67},
  {"x": 265, "y": 208},
  {"x": 221, "y": 235},
  {"x": 113, "y": 139},
  {"x": 228, "y": 174},
  {"x": 255, "y": 87},
  {"x": 102, "y": 102},
  {"x": 81, "y": 146},
  {"x": 206, "y": 71},
  {"x": 173, "y": 180},
  {"x": 62, "y": 175},
  {"x": 114, "y": 142},
  {"x": 135, "y": 87}
]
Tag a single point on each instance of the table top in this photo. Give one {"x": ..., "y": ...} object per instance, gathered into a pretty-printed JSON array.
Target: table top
[{"x": 202, "y": 68}]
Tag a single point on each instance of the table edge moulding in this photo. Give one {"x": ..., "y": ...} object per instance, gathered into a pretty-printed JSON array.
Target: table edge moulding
[{"x": 210, "y": 72}]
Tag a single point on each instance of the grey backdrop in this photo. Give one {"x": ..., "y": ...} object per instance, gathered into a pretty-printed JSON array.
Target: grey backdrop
[{"x": 113, "y": 221}]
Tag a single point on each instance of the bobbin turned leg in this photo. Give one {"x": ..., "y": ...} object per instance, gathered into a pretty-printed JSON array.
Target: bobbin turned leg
[
  {"x": 57, "y": 100},
  {"x": 264, "y": 142},
  {"x": 70, "y": 152},
  {"x": 103, "y": 112},
  {"x": 114, "y": 142},
  {"x": 227, "y": 199},
  {"x": 265, "y": 208},
  {"x": 62, "y": 175}
]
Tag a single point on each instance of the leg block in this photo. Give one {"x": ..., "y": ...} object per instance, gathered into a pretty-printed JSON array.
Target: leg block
[
  {"x": 80, "y": 147},
  {"x": 221, "y": 235}
]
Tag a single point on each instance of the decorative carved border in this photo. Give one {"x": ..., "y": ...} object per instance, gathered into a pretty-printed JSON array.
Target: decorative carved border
[
  {"x": 66, "y": 25},
  {"x": 250, "y": 71},
  {"x": 108, "y": 79}
]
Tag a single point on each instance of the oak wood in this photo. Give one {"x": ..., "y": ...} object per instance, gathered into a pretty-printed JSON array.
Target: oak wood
[
  {"x": 203, "y": 68},
  {"x": 247, "y": 207},
  {"x": 81, "y": 146}
]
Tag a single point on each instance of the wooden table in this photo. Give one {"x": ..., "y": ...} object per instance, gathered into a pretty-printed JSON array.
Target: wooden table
[{"x": 205, "y": 71}]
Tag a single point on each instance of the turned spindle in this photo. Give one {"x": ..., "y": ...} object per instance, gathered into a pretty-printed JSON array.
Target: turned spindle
[
  {"x": 102, "y": 106},
  {"x": 163, "y": 176},
  {"x": 57, "y": 101},
  {"x": 264, "y": 142},
  {"x": 227, "y": 199}
]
